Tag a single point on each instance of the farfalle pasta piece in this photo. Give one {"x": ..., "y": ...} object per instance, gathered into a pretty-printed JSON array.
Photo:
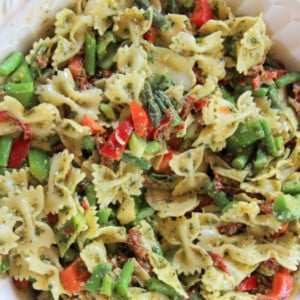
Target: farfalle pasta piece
[
  {"x": 222, "y": 118},
  {"x": 8, "y": 238},
  {"x": 61, "y": 188},
  {"x": 186, "y": 165},
  {"x": 161, "y": 267},
  {"x": 253, "y": 46},
  {"x": 168, "y": 205},
  {"x": 71, "y": 134},
  {"x": 70, "y": 31},
  {"x": 131, "y": 23},
  {"x": 60, "y": 89},
  {"x": 167, "y": 61},
  {"x": 113, "y": 186},
  {"x": 186, "y": 44},
  {"x": 249, "y": 213},
  {"x": 94, "y": 253},
  {"x": 41, "y": 119},
  {"x": 123, "y": 88},
  {"x": 102, "y": 13},
  {"x": 13, "y": 182},
  {"x": 131, "y": 59}
]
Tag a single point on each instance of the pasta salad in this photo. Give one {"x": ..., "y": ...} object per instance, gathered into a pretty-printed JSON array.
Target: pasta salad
[{"x": 150, "y": 150}]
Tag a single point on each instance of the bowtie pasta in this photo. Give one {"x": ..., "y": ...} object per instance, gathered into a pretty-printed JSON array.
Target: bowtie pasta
[{"x": 150, "y": 150}]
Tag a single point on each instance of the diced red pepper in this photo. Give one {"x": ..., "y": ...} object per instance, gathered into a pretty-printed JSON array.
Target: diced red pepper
[
  {"x": 117, "y": 141},
  {"x": 76, "y": 66},
  {"x": 280, "y": 231},
  {"x": 248, "y": 284},
  {"x": 85, "y": 204},
  {"x": 201, "y": 103},
  {"x": 164, "y": 166},
  {"x": 202, "y": 13},
  {"x": 199, "y": 76},
  {"x": 151, "y": 34},
  {"x": 92, "y": 124},
  {"x": 75, "y": 276},
  {"x": 52, "y": 218},
  {"x": 22, "y": 285},
  {"x": 7, "y": 116},
  {"x": 18, "y": 153},
  {"x": 219, "y": 262},
  {"x": 163, "y": 131},
  {"x": 134, "y": 242},
  {"x": 140, "y": 118},
  {"x": 230, "y": 229},
  {"x": 282, "y": 285},
  {"x": 267, "y": 207}
]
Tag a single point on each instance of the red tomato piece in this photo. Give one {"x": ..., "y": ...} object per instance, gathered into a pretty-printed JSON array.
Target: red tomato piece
[
  {"x": 115, "y": 145},
  {"x": 18, "y": 153},
  {"x": 140, "y": 118},
  {"x": 75, "y": 276},
  {"x": 248, "y": 284},
  {"x": 202, "y": 13}
]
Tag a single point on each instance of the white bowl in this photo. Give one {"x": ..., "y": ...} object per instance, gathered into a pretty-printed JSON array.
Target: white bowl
[{"x": 23, "y": 21}]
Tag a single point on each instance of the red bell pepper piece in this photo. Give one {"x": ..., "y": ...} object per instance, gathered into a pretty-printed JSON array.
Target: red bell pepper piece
[
  {"x": 117, "y": 141},
  {"x": 76, "y": 67},
  {"x": 282, "y": 285},
  {"x": 92, "y": 124},
  {"x": 21, "y": 285},
  {"x": 280, "y": 231},
  {"x": 151, "y": 34},
  {"x": 18, "y": 153},
  {"x": 74, "y": 276},
  {"x": 219, "y": 262},
  {"x": 248, "y": 284},
  {"x": 164, "y": 164},
  {"x": 140, "y": 118},
  {"x": 202, "y": 13},
  {"x": 230, "y": 229}
]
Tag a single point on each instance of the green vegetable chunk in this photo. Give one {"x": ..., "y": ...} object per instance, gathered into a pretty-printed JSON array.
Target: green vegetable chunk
[
  {"x": 5, "y": 147},
  {"x": 286, "y": 208},
  {"x": 288, "y": 79},
  {"x": 139, "y": 162},
  {"x": 5, "y": 264},
  {"x": 39, "y": 164},
  {"x": 88, "y": 143},
  {"x": 11, "y": 63},
  {"x": 21, "y": 91},
  {"x": 240, "y": 161},
  {"x": 246, "y": 134},
  {"x": 90, "y": 193},
  {"x": 271, "y": 143},
  {"x": 219, "y": 198},
  {"x": 154, "y": 284},
  {"x": 103, "y": 216},
  {"x": 102, "y": 44},
  {"x": 291, "y": 187},
  {"x": 107, "y": 286},
  {"x": 260, "y": 160},
  {"x": 22, "y": 74},
  {"x": 95, "y": 281},
  {"x": 90, "y": 53},
  {"x": 124, "y": 280}
]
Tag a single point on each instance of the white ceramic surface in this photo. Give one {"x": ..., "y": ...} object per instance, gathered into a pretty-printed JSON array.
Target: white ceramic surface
[{"x": 22, "y": 21}]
